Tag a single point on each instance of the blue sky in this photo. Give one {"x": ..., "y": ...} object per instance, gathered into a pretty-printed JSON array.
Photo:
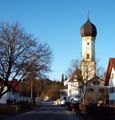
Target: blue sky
[{"x": 58, "y": 22}]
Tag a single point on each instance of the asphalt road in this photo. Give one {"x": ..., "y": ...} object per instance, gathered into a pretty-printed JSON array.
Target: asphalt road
[{"x": 48, "y": 111}]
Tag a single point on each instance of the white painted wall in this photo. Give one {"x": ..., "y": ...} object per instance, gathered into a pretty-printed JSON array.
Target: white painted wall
[
  {"x": 112, "y": 84},
  {"x": 73, "y": 88}
]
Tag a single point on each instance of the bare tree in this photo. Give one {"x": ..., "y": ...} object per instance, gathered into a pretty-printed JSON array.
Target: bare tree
[
  {"x": 75, "y": 63},
  {"x": 21, "y": 55},
  {"x": 100, "y": 71}
]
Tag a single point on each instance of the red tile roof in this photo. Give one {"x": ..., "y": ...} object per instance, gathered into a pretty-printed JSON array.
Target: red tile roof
[{"x": 111, "y": 65}]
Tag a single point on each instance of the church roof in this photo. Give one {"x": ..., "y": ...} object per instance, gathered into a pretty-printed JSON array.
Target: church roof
[{"x": 88, "y": 29}]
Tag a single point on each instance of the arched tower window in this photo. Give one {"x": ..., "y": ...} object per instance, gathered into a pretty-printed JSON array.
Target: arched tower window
[
  {"x": 87, "y": 43},
  {"x": 87, "y": 55}
]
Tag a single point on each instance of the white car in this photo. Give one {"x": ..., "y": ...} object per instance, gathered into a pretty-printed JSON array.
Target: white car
[
  {"x": 73, "y": 99},
  {"x": 62, "y": 100}
]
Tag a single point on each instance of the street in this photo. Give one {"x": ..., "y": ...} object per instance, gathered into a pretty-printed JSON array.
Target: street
[{"x": 48, "y": 111}]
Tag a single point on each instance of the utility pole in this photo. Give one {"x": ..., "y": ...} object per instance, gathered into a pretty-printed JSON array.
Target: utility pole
[{"x": 31, "y": 90}]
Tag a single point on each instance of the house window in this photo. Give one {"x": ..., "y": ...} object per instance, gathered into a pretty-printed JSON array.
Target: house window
[
  {"x": 87, "y": 56},
  {"x": 90, "y": 90},
  {"x": 96, "y": 82},
  {"x": 112, "y": 102},
  {"x": 112, "y": 90},
  {"x": 101, "y": 90}
]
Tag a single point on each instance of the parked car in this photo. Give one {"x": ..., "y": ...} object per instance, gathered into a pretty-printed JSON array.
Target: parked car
[
  {"x": 73, "y": 102},
  {"x": 62, "y": 100}
]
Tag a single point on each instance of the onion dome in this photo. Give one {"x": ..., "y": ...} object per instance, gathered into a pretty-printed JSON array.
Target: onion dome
[{"x": 88, "y": 29}]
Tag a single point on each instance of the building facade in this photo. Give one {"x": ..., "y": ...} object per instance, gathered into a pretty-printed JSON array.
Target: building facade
[
  {"x": 73, "y": 84},
  {"x": 110, "y": 81}
]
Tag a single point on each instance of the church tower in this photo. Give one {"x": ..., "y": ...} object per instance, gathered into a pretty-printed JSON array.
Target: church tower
[{"x": 88, "y": 65}]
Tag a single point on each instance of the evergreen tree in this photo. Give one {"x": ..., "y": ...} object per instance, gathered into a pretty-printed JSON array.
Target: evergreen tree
[{"x": 62, "y": 78}]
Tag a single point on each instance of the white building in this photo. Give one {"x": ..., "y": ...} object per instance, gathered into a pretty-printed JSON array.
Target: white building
[
  {"x": 73, "y": 85},
  {"x": 10, "y": 95},
  {"x": 110, "y": 81}
]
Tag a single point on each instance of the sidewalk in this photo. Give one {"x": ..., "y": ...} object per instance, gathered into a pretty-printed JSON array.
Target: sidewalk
[
  {"x": 88, "y": 117},
  {"x": 4, "y": 116}
]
